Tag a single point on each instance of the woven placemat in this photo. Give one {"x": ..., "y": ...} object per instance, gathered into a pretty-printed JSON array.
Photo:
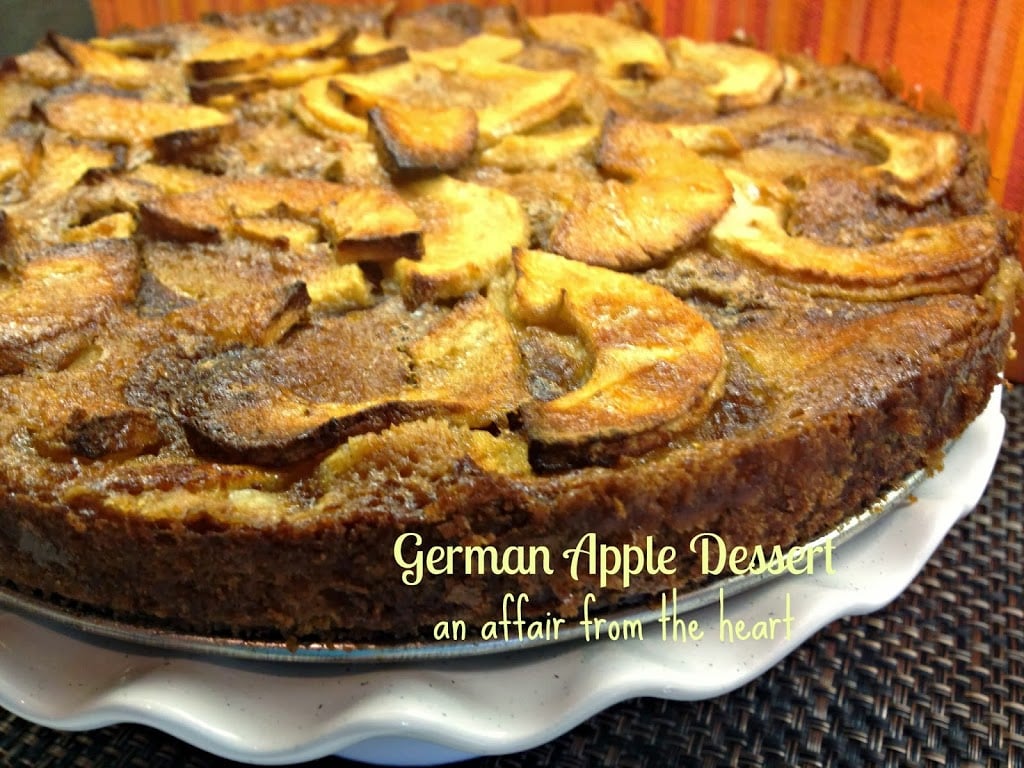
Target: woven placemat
[{"x": 935, "y": 679}]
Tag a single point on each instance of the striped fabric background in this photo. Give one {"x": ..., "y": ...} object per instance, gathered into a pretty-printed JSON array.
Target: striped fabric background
[{"x": 968, "y": 53}]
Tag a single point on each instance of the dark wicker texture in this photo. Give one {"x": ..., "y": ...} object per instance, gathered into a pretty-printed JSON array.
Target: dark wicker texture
[{"x": 937, "y": 678}]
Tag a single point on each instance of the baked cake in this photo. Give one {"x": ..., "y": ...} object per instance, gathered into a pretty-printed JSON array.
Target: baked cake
[{"x": 278, "y": 289}]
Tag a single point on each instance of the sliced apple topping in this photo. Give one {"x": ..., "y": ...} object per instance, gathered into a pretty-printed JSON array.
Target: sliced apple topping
[
  {"x": 363, "y": 224},
  {"x": 142, "y": 44},
  {"x": 412, "y": 141},
  {"x": 196, "y": 273},
  {"x": 233, "y": 412},
  {"x": 414, "y": 461},
  {"x": 367, "y": 59},
  {"x": 215, "y": 92},
  {"x": 472, "y": 360},
  {"x": 920, "y": 260},
  {"x": 919, "y": 165},
  {"x": 277, "y": 231},
  {"x": 240, "y": 65},
  {"x": 915, "y": 165},
  {"x": 115, "y": 226},
  {"x": 657, "y": 364},
  {"x": 103, "y": 64},
  {"x": 705, "y": 138},
  {"x": 541, "y": 151},
  {"x": 435, "y": 439},
  {"x": 329, "y": 41},
  {"x": 12, "y": 159},
  {"x": 620, "y": 49},
  {"x": 401, "y": 82},
  {"x": 256, "y": 318},
  {"x": 506, "y": 98},
  {"x": 671, "y": 198},
  {"x": 232, "y": 54},
  {"x": 742, "y": 76},
  {"x": 124, "y": 120},
  {"x": 339, "y": 288},
  {"x": 235, "y": 53},
  {"x": 50, "y": 306},
  {"x": 468, "y": 234},
  {"x": 172, "y": 179},
  {"x": 320, "y": 109},
  {"x": 309, "y": 395},
  {"x": 62, "y": 165},
  {"x": 372, "y": 224},
  {"x": 525, "y": 98},
  {"x": 55, "y": 169},
  {"x": 286, "y": 74},
  {"x": 482, "y": 46}
]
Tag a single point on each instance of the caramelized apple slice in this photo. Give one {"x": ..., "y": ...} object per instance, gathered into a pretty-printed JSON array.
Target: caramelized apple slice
[
  {"x": 372, "y": 224},
  {"x": 235, "y": 53},
  {"x": 543, "y": 151},
  {"x": 115, "y": 226},
  {"x": 231, "y": 55},
  {"x": 173, "y": 179},
  {"x": 291, "y": 403},
  {"x": 506, "y": 98},
  {"x": 84, "y": 409},
  {"x": 482, "y": 46},
  {"x": 319, "y": 108},
  {"x": 61, "y": 166},
  {"x": 705, "y": 138},
  {"x": 42, "y": 67},
  {"x": 745, "y": 77},
  {"x": 129, "y": 121},
  {"x": 368, "y": 60},
  {"x": 418, "y": 84},
  {"x": 146, "y": 44},
  {"x": 919, "y": 164},
  {"x": 411, "y": 141},
  {"x": 51, "y": 308},
  {"x": 468, "y": 234},
  {"x": 102, "y": 64},
  {"x": 329, "y": 41},
  {"x": 910, "y": 164},
  {"x": 53, "y": 170},
  {"x": 179, "y": 277},
  {"x": 364, "y": 224},
  {"x": 957, "y": 256},
  {"x": 234, "y": 412},
  {"x": 277, "y": 231},
  {"x": 620, "y": 49},
  {"x": 470, "y": 360},
  {"x": 671, "y": 198},
  {"x": 518, "y": 99},
  {"x": 12, "y": 159},
  {"x": 214, "y": 91},
  {"x": 256, "y": 318},
  {"x": 339, "y": 288},
  {"x": 416, "y": 459},
  {"x": 658, "y": 365},
  {"x": 287, "y": 74}
]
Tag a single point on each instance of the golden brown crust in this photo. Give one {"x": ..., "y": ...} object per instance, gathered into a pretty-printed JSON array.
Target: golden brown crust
[{"x": 277, "y": 289}]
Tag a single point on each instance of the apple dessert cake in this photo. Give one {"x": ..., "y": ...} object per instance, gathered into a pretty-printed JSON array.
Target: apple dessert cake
[{"x": 278, "y": 289}]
